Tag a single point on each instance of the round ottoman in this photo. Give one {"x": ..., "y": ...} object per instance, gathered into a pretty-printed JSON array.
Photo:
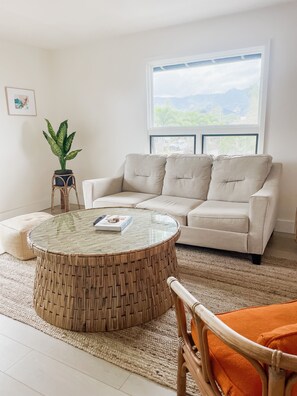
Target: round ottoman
[{"x": 14, "y": 231}]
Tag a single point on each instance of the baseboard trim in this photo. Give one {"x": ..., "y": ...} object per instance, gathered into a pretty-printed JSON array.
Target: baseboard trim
[
  {"x": 287, "y": 226},
  {"x": 34, "y": 207}
]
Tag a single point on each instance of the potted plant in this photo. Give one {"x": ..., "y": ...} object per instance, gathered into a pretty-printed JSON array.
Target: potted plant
[{"x": 60, "y": 144}]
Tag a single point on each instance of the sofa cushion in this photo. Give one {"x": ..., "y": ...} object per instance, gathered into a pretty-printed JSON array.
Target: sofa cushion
[
  {"x": 221, "y": 215},
  {"x": 234, "y": 374},
  {"x": 187, "y": 176},
  {"x": 126, "y": 199},
  {"x": 283, "y": 338},
  {"x": 144, "y": 173},
  {"x": 175, "y": 206},
  {"x": 237, "y": 178}
]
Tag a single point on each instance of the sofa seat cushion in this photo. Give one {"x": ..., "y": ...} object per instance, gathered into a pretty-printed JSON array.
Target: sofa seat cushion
[
  {"x": 221, "y": 215},
  {"x": 234, "y": 374},
  {"x": 175, "y": 206},
  {"x": 144, "y": 173},
  {"x": 236, "y": 178},
  {"x": 187, "y": 176},
  {"x": 127, "y": 199}
]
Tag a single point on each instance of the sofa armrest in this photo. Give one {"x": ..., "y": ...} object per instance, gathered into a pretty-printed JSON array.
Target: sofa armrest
[
  {"x": 263, "y": 207},
  {"x": 96, "y": 188}
]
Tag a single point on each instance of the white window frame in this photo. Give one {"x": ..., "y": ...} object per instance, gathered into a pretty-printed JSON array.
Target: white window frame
[{"x": 213, "y": 129}]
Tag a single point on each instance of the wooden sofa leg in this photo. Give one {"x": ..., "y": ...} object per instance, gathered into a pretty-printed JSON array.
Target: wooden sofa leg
[
  {"x": 256, "y": 259},
  {"x": 181, "y": 373}
]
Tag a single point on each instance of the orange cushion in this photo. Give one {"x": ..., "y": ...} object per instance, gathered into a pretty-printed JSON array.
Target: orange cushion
[
  {"x": 235, "y": 375},
  {"x": 283, "y": 338}
]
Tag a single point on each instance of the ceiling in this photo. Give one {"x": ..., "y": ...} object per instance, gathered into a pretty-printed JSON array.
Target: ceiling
[{"x": 60, "y": 23}]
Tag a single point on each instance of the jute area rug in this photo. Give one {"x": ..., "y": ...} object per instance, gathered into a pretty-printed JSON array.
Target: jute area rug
[{"x": 221, "y": 281}]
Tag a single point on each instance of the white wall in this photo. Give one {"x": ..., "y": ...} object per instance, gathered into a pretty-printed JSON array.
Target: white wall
[
  {"x": 25, "y": 160},
  {"x": 102, "y": 89}
]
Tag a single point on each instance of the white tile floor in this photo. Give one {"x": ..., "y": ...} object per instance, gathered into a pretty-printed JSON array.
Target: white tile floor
[{"x": 33, "y": 363}]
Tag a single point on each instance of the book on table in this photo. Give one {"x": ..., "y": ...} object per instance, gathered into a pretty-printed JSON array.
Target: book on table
[{"x": 112, "y": 222}]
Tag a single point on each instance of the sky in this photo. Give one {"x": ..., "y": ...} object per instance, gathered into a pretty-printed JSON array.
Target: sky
[{"x": 216, "y": 78}]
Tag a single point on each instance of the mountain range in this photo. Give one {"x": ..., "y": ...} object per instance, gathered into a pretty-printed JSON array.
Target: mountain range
[{"x": 233, "y": 101}]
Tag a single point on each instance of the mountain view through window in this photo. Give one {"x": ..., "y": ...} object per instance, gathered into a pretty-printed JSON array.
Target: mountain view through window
[{"x": 223, "y": 91}]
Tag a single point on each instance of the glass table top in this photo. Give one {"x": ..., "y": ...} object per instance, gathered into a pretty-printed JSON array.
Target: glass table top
[{"x": 74, "y": 233}]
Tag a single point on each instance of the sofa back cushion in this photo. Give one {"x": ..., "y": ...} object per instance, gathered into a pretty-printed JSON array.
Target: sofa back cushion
[
  {"x": 144, "y": 173},
  {"x": 235, "y": 179},
  {"x": 187, "y": 176},
  {"x": 283, "y": 338}
]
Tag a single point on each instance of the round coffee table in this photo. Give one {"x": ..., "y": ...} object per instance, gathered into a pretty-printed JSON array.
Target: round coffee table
[{"x": 89, "y": 280}]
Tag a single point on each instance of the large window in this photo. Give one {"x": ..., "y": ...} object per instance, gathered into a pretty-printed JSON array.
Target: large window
[{"x": 221, "y": 94}]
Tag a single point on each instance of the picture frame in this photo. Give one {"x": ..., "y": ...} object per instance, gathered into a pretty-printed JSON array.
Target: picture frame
[{"x": 20, "y": 101}]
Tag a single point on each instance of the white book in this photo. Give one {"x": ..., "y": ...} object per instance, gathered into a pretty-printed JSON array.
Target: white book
[{"x": 112, "y": 222}]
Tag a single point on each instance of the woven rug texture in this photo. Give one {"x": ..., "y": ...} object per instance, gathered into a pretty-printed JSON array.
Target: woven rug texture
[{"x": 221, "y": 281}]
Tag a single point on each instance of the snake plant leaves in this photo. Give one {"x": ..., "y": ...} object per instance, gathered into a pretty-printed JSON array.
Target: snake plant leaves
[
  {"x": 60, "y": 143},
  {"x": 54, "y": 147},
  {"x": 62, "y": 133},
  {"x": 51, "y": 130},
  {"x": 72, "y": 155},
  {"x": 68, "y": 142},
  {"x": 45, "y": 135}
]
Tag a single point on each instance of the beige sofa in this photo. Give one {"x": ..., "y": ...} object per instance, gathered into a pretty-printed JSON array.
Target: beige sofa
[{"x": 225, "y": 202}]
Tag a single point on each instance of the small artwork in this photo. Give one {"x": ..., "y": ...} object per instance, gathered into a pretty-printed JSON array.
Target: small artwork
[{"x": 20, "y": 101}]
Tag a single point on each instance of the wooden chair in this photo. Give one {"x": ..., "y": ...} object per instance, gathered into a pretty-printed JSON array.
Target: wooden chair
[{"x": 234, "y": 361}]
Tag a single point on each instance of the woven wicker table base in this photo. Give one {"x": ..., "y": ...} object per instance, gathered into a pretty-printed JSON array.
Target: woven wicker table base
[{"x": 104, "y": 293}]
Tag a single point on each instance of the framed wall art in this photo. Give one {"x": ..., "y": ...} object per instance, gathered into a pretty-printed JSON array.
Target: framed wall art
[{"x": 20, "y": 101}]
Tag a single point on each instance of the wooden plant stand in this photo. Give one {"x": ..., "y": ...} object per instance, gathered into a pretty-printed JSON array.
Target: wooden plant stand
[{"x": 67, "y": 184}]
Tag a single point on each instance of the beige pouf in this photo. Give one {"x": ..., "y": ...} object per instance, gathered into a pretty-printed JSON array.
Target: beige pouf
[{"x": 14, "y": 231}]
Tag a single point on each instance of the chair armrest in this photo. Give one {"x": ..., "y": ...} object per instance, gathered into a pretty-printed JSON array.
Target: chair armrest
[
  {"x": 263, "y": 207},
  {"x": 96, "y": 188}
]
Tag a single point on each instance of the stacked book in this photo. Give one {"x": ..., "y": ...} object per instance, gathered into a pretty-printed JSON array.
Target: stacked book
[{"x": 112, "y": 222}]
